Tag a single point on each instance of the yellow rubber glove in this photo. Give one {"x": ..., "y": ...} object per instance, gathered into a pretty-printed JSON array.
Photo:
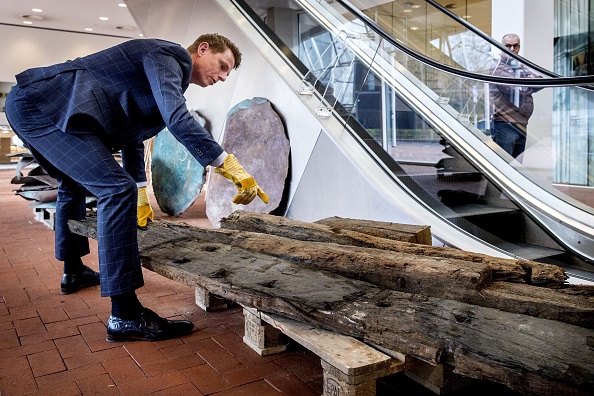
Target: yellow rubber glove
[
  {"x": 246, "y": 185},
  {"x": 145, "y": 212}
]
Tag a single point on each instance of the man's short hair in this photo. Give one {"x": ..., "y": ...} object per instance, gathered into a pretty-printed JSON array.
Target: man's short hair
[
  {"x": 511, "y": 36},
  {"x": 217, "y": 43}
]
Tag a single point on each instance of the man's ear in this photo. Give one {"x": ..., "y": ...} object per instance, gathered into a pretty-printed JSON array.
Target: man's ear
[{"x": 202, "y": 48}]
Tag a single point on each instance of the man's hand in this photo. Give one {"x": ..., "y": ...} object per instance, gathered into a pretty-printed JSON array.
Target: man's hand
[
  {"x": 246, "y": 185},
  {"x": 145, "y": 212}
]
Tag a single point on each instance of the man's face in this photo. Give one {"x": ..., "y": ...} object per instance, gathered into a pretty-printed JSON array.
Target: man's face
[
  {"x": 210, "y": 67},
  {"x": 512, "y": 43}
]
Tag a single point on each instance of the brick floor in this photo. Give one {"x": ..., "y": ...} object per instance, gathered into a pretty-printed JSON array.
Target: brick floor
[{"x": 54, "y": 344}]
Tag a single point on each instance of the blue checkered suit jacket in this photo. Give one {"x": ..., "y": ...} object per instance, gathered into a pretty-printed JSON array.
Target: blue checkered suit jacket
[{"x": 124, "y": 94}]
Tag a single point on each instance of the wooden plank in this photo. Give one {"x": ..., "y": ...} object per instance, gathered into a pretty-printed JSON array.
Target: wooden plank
[
  {"x": 427, "y": 328},
  {"x": 350, "y": 356},
  {"x": 393, "y": 231},
  {"x": 502, "y": 269}
]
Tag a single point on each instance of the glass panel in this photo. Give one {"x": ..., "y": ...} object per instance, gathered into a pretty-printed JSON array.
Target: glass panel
[
  {"x": 573, "y": 139},
  {"x": 428, "y": 31}
]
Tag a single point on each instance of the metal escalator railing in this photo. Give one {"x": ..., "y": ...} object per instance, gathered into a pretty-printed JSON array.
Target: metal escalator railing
[
  {"x": 559, "y": 81},
  {"x": 454, "y": 168}
]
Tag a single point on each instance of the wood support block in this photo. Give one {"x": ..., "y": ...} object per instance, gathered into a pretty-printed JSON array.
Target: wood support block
[
  {"x": 45, "y": 215},
  {"x": 350, "y": 366},
  {"x": 260, "y": 336},
  {"x": 208, "y": 301}
]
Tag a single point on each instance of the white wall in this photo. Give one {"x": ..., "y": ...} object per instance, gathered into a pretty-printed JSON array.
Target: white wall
[
  {"x": 508, "y": 17},
  {"x": 23, "y": 48}
]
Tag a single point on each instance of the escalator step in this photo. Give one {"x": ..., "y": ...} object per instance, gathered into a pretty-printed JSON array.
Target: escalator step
[{"x": 530, "y": 252}]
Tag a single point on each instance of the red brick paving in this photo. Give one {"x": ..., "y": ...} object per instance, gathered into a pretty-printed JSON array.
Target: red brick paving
[{"x": 52, "y": 344}]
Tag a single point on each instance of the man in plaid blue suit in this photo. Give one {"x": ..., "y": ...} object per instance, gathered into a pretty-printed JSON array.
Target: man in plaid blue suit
[{"x": 73, "y": 116}]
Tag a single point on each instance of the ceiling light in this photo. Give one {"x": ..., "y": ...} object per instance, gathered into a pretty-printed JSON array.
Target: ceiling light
[
  {"x": 89, "y": 29},
  {"x": 122, "y": 5},
  {"x": 104, "y": 18},
  {"x": 466, "y": 16},
  {"x": 28, "y": 22},
  {"x": 407, "y": 6},
  {"x": 141, "y": 35},
  {"x": 414, "y": 28},
  {"x": 36, "y": 10},
  {"x": 416, "y": 6}
]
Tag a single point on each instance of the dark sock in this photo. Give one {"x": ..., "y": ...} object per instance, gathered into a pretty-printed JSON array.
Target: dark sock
[
  {"x": 73, "y": 266},
  {"x": 126, "y": 306}
]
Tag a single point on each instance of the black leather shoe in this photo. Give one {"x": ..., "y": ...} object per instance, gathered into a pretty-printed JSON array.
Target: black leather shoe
[
  {"x": 149, "y": 327},
  {"x": 72, "y": 283}
]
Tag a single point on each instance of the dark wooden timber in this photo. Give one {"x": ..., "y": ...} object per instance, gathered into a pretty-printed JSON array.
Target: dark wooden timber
[
  {"x": 502, "y": 269},
  {"x": 298, "y": 279},
  {"x": 395, "y": 231}
]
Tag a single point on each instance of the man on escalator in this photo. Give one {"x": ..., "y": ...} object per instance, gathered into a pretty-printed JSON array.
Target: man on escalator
[{"x": 511, "y": 105}]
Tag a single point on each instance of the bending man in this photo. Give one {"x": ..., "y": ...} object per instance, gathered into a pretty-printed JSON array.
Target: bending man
[{"x": 73, "y": 116}]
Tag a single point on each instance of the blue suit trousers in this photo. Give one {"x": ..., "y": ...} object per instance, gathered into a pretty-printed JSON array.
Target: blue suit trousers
[{"x": 81, "y": 163}]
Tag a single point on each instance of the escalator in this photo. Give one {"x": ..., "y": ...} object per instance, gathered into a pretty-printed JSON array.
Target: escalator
[
  {"x": 381, "y": 130},
  {"x": 462, "y": 188}
]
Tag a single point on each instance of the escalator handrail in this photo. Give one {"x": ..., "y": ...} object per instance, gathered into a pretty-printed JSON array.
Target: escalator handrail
[
  {"x": 491, "y": 40},
  {"x": 579, "y": 81}
]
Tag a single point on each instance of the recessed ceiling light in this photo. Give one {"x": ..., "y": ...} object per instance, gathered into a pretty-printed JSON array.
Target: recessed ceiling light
[
  {"x": 122, "y": 5},
  {"x": 141, "y": 35},
  {"x": 28, "y": 22},
  {"x": 414, "y": 28},
  {"x": 407, "y": 10},
  {"x": 416, "y": 6},
  {"x": 89, "y": 29},
  {"x": 466, "y": 16},
  {"x": 36, "y": 10},
  {"x": 104, "y": 18}
]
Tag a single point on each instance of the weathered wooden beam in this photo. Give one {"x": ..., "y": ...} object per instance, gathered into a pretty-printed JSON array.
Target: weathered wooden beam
[
  {"x": 394, "y": 231},
  {"x": 502, "y": 269},
  {"x": 434, "y": 276}
]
